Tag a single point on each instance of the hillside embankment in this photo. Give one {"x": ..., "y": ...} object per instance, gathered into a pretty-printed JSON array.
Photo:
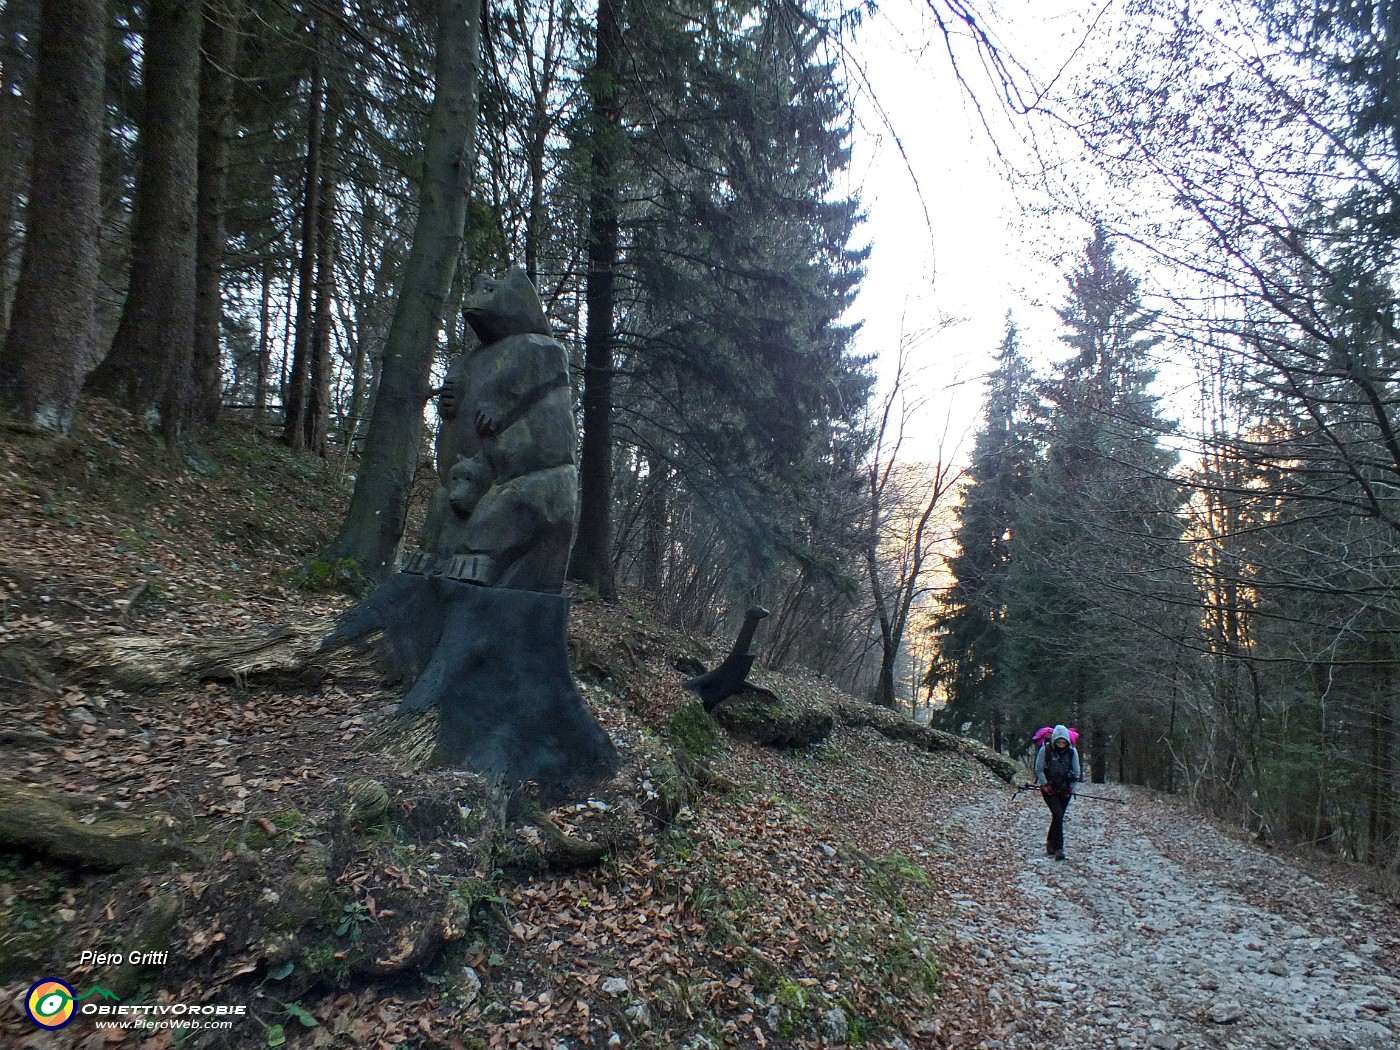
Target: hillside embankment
[{"x": 184, "y": 780}]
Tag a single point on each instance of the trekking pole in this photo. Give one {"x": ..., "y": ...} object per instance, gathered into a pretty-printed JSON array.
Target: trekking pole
[
  {"x": 1021, "y": 790},
  {"x": 1101, "y": 798},
  {"x": 1078, "y": 794}
]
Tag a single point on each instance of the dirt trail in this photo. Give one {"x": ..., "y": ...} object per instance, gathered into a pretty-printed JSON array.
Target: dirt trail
[{"x": 1162, "y": 931}]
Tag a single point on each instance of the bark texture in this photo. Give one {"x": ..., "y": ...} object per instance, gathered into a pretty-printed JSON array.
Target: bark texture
[
  {"x": 151, "y": 362},
  {"x": 295, "y": 401},
  {"x": 221, "y": 36},
  {"x": 592, "y": 557},
  {"x": 374, "y": 523},
  {"x": 52, "y": 334}
]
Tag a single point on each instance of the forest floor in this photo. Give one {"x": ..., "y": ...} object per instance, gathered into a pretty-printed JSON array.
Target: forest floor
[{"x": 856, "y": 891}]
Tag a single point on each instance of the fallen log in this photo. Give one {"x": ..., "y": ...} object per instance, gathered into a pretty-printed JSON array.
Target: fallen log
[
  {"x": 134, "y": 662},
  {"x": 895, "y": 726}
]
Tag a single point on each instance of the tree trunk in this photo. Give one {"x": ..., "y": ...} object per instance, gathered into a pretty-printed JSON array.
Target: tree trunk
[
  {"x": 592, "y": 557},
  {"x": 19, "y": 20},
  {"x": 318, "y": 413},
  {"x": 654, "y": 525},
  {"x": 889, "y": 642},
  {"x": 358, "y": 334},
  {"x": 294, "y": 426},
  {"x": 884, "y": 685},
  {"x": 149, "y": 367},
  {"x": 1098, "y": 755},
  {"x": 374, "y": 523},
  {"x": 1381, "y": 793},
  {"x": 221, "y": 37},
  {"x": 283, "y": 374},
  {"x": 52, "y": 331},
  {"x": 534, "y": 218},
  {"x": 264, "y": 347}
]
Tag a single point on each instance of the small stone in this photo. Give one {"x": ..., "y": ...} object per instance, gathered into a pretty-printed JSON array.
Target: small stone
[
  {"x": 837, "y": 1027},
  {"x": 615, "y": 986},
  {"x": 1225, "y": 1012},
  {"x": 1278, "y": 969},
  {"x": 470, "y": 987}
]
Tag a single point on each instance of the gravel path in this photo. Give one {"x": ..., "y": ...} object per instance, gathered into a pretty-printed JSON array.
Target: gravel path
[{"x": 1162, "y": 931}]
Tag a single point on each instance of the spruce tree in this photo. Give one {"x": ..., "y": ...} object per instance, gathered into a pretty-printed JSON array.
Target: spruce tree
[
  {"x": 149, "y": 368},
  {"x": 52, "y": 333},
  {"x": 1096, "y": 588},
  {"x": 738, "y": 363},
  {"x": 970, "y": 625}
]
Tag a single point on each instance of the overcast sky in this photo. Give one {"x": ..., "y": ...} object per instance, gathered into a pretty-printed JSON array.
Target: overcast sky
[{"x": 954, "y": 246}]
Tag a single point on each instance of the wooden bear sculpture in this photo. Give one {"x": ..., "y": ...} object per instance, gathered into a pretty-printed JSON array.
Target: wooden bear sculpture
[
  {"x": 476, "y": 623},
  {"x": 508, "y": 426}
]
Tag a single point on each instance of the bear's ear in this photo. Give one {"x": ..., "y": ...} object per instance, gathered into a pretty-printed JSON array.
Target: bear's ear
[{"x": 522, "y": 302}]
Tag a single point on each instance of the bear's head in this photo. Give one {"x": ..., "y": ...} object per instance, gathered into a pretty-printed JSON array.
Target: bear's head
[
  {"x": 499, "y": 307},
  {"x": 468, "y": 481}
]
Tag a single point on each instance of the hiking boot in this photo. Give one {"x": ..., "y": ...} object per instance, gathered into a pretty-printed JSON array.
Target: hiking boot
[{"x": 1059, "y": 854}]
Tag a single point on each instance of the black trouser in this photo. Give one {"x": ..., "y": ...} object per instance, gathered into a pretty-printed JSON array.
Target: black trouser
[{"x": 1055, "y": 840}]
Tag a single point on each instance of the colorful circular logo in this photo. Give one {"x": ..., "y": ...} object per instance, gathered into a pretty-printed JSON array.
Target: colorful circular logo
[{"x": 50, "y": 1003}]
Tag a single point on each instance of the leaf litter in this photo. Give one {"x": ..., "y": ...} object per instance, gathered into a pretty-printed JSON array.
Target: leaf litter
[{"x": 811, "y": 898}]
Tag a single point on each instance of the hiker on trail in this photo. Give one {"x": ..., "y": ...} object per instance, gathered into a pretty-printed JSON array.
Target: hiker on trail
[{"x": 1056, "y": 773}]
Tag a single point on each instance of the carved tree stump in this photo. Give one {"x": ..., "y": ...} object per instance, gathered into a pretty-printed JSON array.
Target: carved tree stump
[{"x": 495, "y": 664}]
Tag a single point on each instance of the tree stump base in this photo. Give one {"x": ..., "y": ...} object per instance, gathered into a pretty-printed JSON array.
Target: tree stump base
[{"x": 495, "y": 663}]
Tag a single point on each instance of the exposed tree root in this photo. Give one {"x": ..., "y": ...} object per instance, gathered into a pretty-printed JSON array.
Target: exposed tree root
[{"x": 47, "y": 822}]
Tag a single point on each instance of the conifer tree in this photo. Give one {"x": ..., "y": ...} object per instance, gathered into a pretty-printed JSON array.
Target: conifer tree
[
  {"x": 150, "y": 366},
  {"x": 374, "y": 523},
  {"x": 591, "y": 562},
  {"x": 1095, "y": 585},
  {"x": 740, "y": 376},
  {"x": 970, "y": 625}
]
